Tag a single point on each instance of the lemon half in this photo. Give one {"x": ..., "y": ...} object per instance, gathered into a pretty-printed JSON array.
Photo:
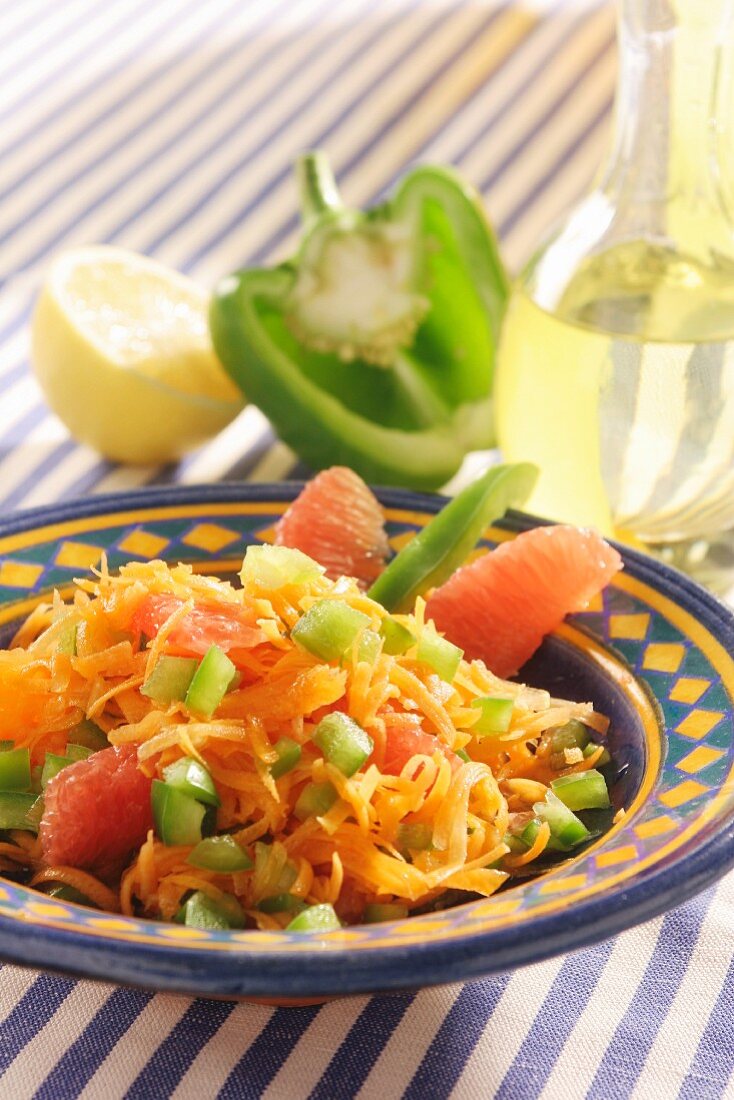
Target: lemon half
[{"x": 121, "y": 348}]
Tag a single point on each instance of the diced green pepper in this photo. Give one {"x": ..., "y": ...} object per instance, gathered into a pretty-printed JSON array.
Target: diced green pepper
[
  {"x": 414, "y": 836},
  {"x": 221, "y": 854},
  {"x": 439, "y": 654},
  {"x": 15, "y": 770},
  {"x": 191, "y": 778},
  {"x": 444, "y": 544},
  {"x": 397, "y": 639},
  {"x": 375, "y": 913},
  {"x": 317, "y": 918},
  {"x": 343, "y": 742},
  {"x": 5, "y": 746},
  {"x": 282, "y": 903},
  {"x": 495, "y": 717},
  {"x": 14, "y": 809},
  {"x": 178, "y": 817},
  {"x": 88, "y": 733},
  {"x": 605, "y": 757},
  {"x": 329, "y": 628},
  {"x": 463, "y": 755},
  {"x": 315, "y": 800},
  {"x": 170, "y": 680},
  {"x": 582, "y": 790},
  {"x": 289, "y": 753},
  {"x": 35, "y": 813},
  {"x": 67, "y": 639},
  {"x": 210, "y": 682},
  {"x": 201, "y": 911},
  {"x": 52, "y": 765},
  {"x": 566, "y": 829},
  {"x": 370, "y": 644},
  {"x": 571, "y": 735},
  {"x": 77, "y": 752},
  {"x": 271, "y": 567}
]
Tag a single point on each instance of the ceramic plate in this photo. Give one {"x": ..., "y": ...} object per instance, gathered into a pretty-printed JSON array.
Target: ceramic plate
[{"x": 653, "y": 654}]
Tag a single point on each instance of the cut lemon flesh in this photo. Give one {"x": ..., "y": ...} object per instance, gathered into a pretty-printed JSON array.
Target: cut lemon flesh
[{"x": 121, "y": 349}]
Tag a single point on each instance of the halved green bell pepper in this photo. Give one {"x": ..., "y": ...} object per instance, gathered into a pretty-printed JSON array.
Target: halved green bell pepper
[{"x": 374, "y": 346}]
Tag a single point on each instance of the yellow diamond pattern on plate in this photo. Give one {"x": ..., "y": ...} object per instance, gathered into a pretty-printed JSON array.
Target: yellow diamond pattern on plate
[
  {"x": 617, "y": 855},
  {"x": 633, "y": 627},
  {"x": 561, "y": 885},
  {"x": 266, "y": 534},
  {"x": 664, "y": 656},
  {"x": 210, "y": 537},
  {"x": 16, "y": 574},
  {"x": 596, "y": 603},
  {"x": 688, "y": 689},
  {"x": 701, "y": 757},
  {"x": 657, "y": 827},
  {"x": 687, "y": 790},
  {"x": 143, "y": 544},
  {"x": 77, "y": 555},
  {"x": 698, "y": 723}
]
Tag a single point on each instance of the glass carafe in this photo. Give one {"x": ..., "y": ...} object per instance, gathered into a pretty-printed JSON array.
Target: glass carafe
[{"x": 616, "y": 367}]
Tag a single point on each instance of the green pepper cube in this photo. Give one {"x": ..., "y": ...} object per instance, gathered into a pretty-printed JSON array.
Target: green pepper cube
[
  {"x": 77, "y": 752},
  {"x": 221, "y": 854},
  {"x": 5, "y": 746},
  {"x": 210, "y": 682},
  {"x": 440, "y": 655},
  {"x": 414, "y": 836},
  {"x": 495, "y": 716},
  {"x": 201, "y": 911},
  {"x": 582, "y": 790},
  {"x": 63, "y": 892},
  {"x": 397, "y": 639},
  {"x": 315, "y": 800},
  {"x": 289, "y": 753},
  {"x": 375, "y": 913},
  {"x": 14, "y": 809},
  {"x": 178, "y": 817},
  {"x": 282, "y": 903},
  {"x": 170, "y": 680},
  {"x": 272, "y": 567},
  {"x": 15, "y": 770},
  {"x": 605, "y": 757},
  {"x": 343, "y": 742},
  {"x": 52, "y": 765},
  {"x": 565, "y": 828},
  {"x": 317, "y": 918},
  {"x": 90, "y": 734},
  {"x": 35, "y": 813},
  {"x": 67, "y": 639},
  {"x": 191, "y": 778},
  {"x": 571, "y": 735},
  {"x": 370, "y": 644},
  {"x": 329, "y": 628}
]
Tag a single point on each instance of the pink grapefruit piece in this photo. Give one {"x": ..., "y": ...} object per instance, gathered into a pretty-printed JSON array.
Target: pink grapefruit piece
[
  {"x": 499, "y": 608},
  {"x": 337, "y": 521},
  {"x": 97, "y": 810}
]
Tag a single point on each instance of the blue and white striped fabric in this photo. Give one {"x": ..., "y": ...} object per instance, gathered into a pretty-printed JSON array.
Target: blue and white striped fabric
[{"x": 169, "y": 126}]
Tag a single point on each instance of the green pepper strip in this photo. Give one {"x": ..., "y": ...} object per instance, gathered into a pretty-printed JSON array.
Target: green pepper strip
[
  {"x": 411, "y": 420},
  {"x": 444, "y": 544}
]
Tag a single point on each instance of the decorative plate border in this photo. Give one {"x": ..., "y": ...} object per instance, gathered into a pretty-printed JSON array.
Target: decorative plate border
[{"x": 678, "y": 834}]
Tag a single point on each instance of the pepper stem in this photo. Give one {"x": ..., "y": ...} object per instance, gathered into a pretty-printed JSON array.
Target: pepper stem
[{"x": 316, "y": 185}]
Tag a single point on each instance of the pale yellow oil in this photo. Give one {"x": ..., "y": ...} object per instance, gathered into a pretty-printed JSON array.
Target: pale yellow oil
[{"x": 624, "y": 394}]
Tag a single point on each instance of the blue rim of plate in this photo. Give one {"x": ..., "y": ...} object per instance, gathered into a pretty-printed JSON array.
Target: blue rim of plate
[{"x": 659, "y": 623}]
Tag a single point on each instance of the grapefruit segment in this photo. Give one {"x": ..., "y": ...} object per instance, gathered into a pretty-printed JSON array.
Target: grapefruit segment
[
  {"x": 97, "y": 810},
  {"x": 337, "y": 521},
  {"x": 500, "y": 607},
  {"x": 203, "y": 626}
]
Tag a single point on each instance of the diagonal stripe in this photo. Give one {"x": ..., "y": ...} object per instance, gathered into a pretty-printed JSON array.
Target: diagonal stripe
[
  {"x": 14, "y": 984},
  {"x": 32, "y": 1012},
  {"x": 254, "y": 1071},
  {"x": 193, "y": 1031},
  {"x": 636, "y": 1032},
  {"x": 711, "y": 1071},
  {"x": 354, "y": 1059},
  {"x": 214, "y": 1063},
  {"x": 79, "y": 1062}
]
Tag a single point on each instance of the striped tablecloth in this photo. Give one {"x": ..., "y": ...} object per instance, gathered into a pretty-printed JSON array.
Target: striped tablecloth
[{"x": 169, "y": 126}]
